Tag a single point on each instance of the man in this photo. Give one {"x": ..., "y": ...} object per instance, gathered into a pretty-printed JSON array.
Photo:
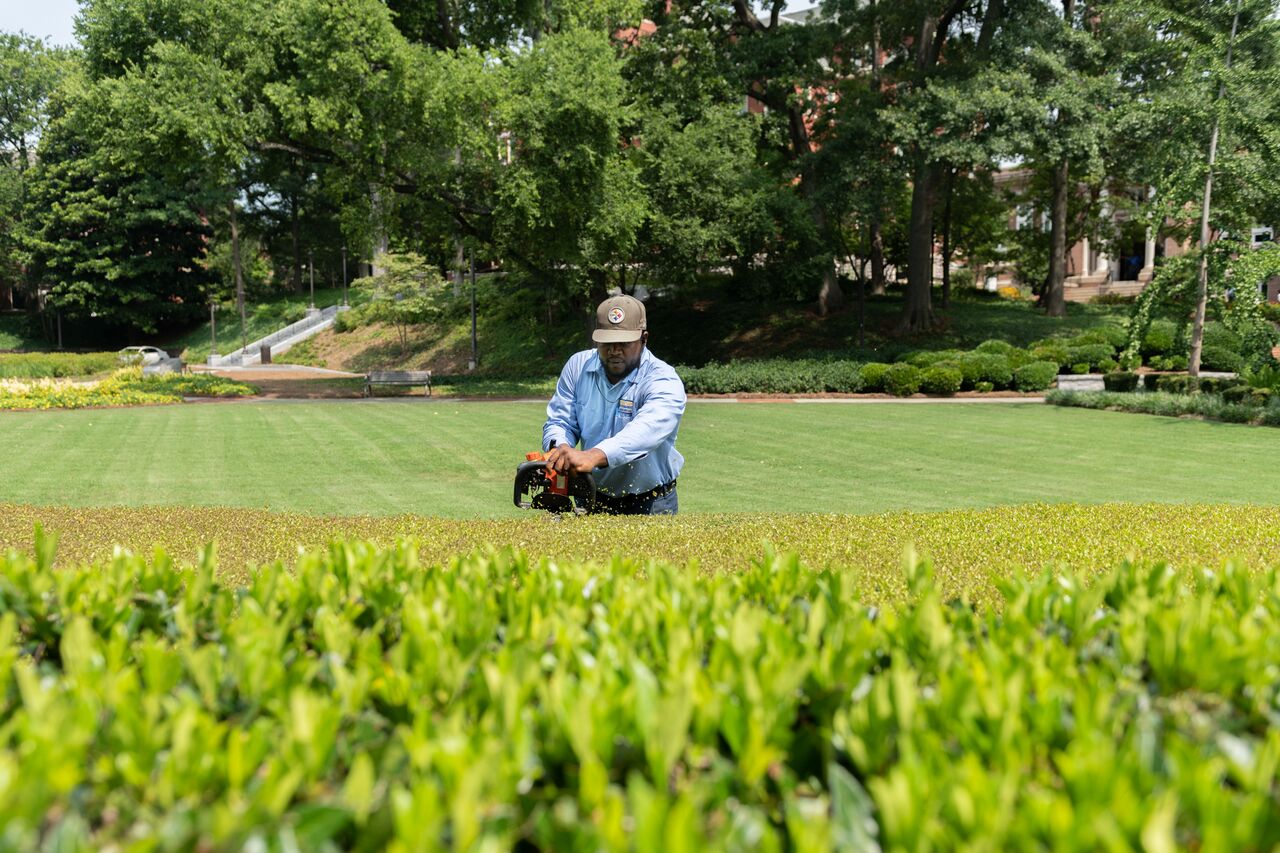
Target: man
[{"x": 624, "y": 405}]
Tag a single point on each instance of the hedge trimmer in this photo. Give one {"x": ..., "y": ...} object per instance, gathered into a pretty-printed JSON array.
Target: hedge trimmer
[{"x": 539, "y": 487}]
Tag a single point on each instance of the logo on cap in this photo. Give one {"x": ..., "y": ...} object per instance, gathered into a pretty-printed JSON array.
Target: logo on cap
[{"x": 616, "y": 316}]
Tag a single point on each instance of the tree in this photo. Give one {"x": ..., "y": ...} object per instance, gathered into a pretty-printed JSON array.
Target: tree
[
  {"x": 1201, "y": 122},
  {"x": 109, "y": 237},
  {"x": 29, "y": 73}
]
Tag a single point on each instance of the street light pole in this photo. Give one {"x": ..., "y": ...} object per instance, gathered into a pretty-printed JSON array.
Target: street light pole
[
  {"x": 475, "y": 355},
  {"x": 344, "y": 276},
  {"x": 311, "y": 264},
  {"x": 213, "y": 328}
]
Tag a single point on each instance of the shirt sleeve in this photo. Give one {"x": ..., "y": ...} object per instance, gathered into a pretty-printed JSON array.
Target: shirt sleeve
[
  {"x": 561, "y": 426},
  {"x": 655, "y": 422}
]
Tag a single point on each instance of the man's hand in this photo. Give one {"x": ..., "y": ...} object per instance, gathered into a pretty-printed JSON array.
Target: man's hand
[{"x": 565, "y": 459}]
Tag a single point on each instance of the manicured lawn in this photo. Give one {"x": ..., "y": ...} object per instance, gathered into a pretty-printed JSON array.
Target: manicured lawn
[{"x": 385, "y": 458}]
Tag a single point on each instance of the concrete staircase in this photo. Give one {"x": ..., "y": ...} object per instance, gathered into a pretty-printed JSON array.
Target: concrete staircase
[{"x": 280, "y": 340}]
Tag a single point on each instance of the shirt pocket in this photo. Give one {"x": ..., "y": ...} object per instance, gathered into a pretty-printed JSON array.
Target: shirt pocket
[{"x": 626, "y": 410}]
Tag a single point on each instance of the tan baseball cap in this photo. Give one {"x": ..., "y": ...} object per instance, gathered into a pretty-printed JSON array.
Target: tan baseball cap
[{"x": 619, "y": 320}]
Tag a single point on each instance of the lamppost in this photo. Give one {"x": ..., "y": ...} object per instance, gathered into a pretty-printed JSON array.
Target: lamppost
[
  {"x": 213, "y": 330},
  {"x": 311, "y": 265},
  {"x": 344, "y": 276},
  {"x": 475, "y": 354}
]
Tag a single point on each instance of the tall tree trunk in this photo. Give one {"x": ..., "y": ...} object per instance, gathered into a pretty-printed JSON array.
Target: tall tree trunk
[
  {"x": 1055, "y": 301},
  {"x": 917, "y": 308},
  {"x": 237, "y": 265},
  {"x": 296, "y": 241},
  {"x": 876, "y": 237},
  {"x": 946, "y": 240},
  {"x": 1202, "y": 281}
]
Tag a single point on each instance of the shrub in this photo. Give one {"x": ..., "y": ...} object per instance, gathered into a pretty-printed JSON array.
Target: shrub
[
  {"x": 1159, "y": 338},
  {"x": 1036, "y": 376},
  {"x": 996, "y": 347},
  {"x": 941, "y": 381},
  {"x": 902, "y": 380},
  {"x": 1092, "y": 354},
  {"x": 873, "y": 376},
  {"x": 986, "y": 367},
  {"x": 1176, "y": 384},
  {"x": 1219, "y": 336},
  {"x": 1080, "y": 368},
  {"x": 1120, "y": 381},
  {"x": 983, "y": 387},
  {"x": 1247, "y": 395},
  {"x": 929, "y": 358},
  {"x": 1055, "y": 352},
  {"x": 1169, "y": 362},
  {"x": 56, "y": 365},
  {"x": 773, "y": 376},
  {"x": 1217, "y": 358},
  {"x": 1108, "y": 365},
  {"x": 1009, "y": 292}
]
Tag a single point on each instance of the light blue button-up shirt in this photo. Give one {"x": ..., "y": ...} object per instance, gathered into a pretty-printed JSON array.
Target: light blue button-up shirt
[{"x": 634, "y": 422}]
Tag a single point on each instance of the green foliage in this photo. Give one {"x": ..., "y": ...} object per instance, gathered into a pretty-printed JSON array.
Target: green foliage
[
  {"x": 775, "y": 376},
  {"x": 49, "y": 365},
  {"x": 986, "y": 367},
  {"x": 407, "y": 292},
  {"x": 714, "y": 701},
  {"x": 1120, "y": 381},
  {"x": 1051, "y": 351},
  {"x": 873, "y": 376},
  {"x": 1170, "y": 403},
  {"x": 941, "y": 381},
  {"x": 902, "y": 380},
  {"x": 1159, "y": 339},
  {"x": 1220, "y": 358},
  {"x": 1036, "y": 376},
  {"x": 996, "y": 346},
  {"x": 1090, "y": 354}
]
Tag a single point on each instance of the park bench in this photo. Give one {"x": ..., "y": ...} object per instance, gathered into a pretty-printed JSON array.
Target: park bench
[{"x": 398, "y": 377}]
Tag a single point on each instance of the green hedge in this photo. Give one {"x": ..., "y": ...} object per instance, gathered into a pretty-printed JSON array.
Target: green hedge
[
  {"x": 1036, "y": 376},
  {"x": 384, "y": 698},
  {"x": 902, "y": 380},
  {"x": 773, "y": 376},
  {"x": 1208, "y": 406},
  {"x": 126, "y": 387},
  {"x": 56, "y": 365},
  {"x": 941, "y": 381}
]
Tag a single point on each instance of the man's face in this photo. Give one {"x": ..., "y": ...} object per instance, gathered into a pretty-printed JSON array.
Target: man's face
[{"x": 621, "y": 359}]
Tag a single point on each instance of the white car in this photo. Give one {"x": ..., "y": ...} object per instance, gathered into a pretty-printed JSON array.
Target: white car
[{"x": 143, "y": 355}]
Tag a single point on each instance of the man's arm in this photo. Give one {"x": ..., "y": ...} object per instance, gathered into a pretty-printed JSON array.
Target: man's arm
[
  {"x": 655, "y": 422},
  {"x": 562, "y": 426}
]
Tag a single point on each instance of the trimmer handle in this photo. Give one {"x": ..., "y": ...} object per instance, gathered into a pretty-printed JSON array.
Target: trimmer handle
[{"x": 531, "y": 477}]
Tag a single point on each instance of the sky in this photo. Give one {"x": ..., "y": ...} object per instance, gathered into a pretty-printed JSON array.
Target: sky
[{"x": 48, "y": 19}]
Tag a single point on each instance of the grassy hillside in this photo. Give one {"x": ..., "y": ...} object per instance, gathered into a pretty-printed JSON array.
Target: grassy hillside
[{"x": 713, "y": 323}]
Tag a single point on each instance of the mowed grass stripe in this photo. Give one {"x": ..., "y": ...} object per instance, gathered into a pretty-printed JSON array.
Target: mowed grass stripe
[{"x": 457, "y": 460}]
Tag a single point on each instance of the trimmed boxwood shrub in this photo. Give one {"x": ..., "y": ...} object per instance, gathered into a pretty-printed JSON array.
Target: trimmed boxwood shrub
[
  {"x": 902, "y": 379},
  {"x": 929, "y": 358},
  {"x": 773, "y": 376},
  {"x": 1168, "y": 362},
  {"x": 1091, "y": 354},
  {"x": 873, "y": 376},
  {"x": 1080, "y": 368},
  {"x": 941, "y": 381},
  {"x": 1036, "y": 376},
  {"x": 1160, "y": 338},
  {"x": 1246, "y": 395},
  {"x": 1120, "y": 380},
  {"x": 986, "y": 367},
  {"x": 984, "y": 387},
  {"x": 995, "y": 347},
  {"x": 1218, "y": 358},
  {"x": 1055, "y": 352},
  {"x": 1220, "y": 337}
]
